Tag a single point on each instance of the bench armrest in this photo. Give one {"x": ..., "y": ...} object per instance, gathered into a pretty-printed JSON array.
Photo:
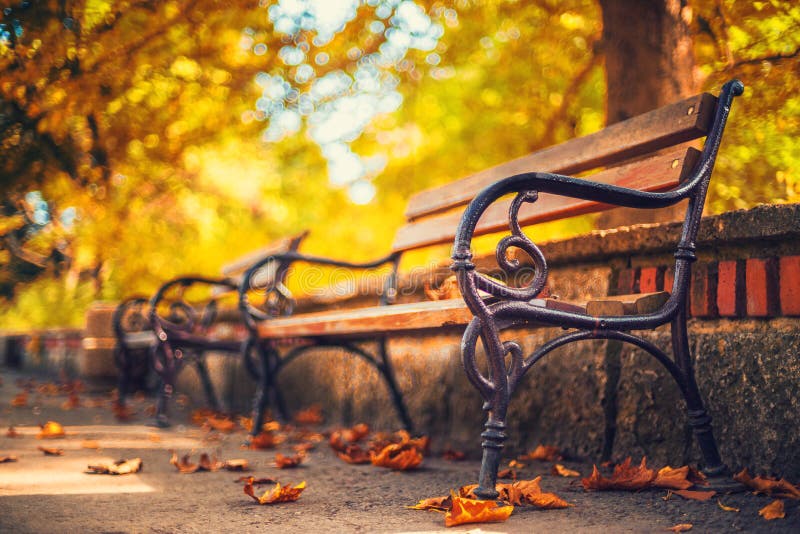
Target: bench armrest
[
  {"x": 276, "y": 289},
  {"x": 180, "y": 307}
]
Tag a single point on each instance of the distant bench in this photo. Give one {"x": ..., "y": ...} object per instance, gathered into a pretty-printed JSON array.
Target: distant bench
[
  {"x": 647, "y": 161},
  {"x": 178, "y": 325}
]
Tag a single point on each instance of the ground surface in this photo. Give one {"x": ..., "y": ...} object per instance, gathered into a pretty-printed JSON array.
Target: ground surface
[{"x": 53, "y": 493}]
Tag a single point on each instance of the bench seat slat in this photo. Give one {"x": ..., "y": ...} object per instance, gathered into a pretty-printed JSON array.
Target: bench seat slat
[
  {"x": 667, "y": 126},
  {"x": 657, "y": 173},
  {"x": 428, "y": 315}
]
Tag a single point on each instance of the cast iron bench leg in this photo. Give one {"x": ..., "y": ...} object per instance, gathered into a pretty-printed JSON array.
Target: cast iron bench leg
[
  {"x": 166, "y": 369},
  {"x": 268, "y": 393},
  {"x": 205, "y": 379}
]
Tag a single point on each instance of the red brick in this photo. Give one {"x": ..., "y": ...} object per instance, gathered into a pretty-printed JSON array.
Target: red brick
[
  {"x": 731, "y": 288},
  {"x": 790, "y": 285},
  {"x": 649, "y": 278},
  {"x": 762, "y": 287},
  {"x": 703, "y": 290}
]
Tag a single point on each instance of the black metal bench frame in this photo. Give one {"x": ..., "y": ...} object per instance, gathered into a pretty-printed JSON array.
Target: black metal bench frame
[{"x": 515, "y": 309}]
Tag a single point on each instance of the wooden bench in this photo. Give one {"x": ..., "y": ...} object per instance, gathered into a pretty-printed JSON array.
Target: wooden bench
[
  {"x": 647, "y": 161},
  {"x": 178, "y": 324}
]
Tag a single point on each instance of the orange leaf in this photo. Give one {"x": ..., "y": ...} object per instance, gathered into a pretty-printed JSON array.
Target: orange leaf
[
  {"x": 90, "y": 444},
  {"x": 399, "y": 457},
  {"x": 222, "y": 424},
  {"x": 683, "y": 527},
  {"x": 21, "y": 400},
  {"x": 544, "y": 453},
  {"x": 453, "y": 456},
  {"x": 72, "y": 402},
  {"x": 286, "y": 462},
  {"x": 303, "y": 447},
  {"x": 264, "y": 440},
  {"x": 670, "y": 478},
  {"x": 531, "y": 493},
  {"x": 695, "y": 495},
  {"x": 507, "y": 473},
  {"x": 625, "y": 477},
  {"x": 277, "y": 494},
  {"x": 51, "y": 451},
  {"x": 120, "y": 467},
  {"x": 475, "y": 511},
  {"x": 206, "y": 463},
  {"x": 12, "y": 432},
  {"x": 310, "y": 416},
  {"x": 778, "y": 488},
  {"x": 51, "y": 430},
  {"x": 236, "y": 465},
  {"x": 354, "y": 454},
  {"x": 727, "y": 508},
  {"x": 439, "y": 504},
  {"x": 773, "y": 510},
  {"x": 560, "y": 470},
  {"x": 6, "y": 459},
  {"x": 256, "y": 481}
]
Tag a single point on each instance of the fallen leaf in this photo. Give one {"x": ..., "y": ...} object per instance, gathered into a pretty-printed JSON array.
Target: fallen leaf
[
  {"x": 773, "y": 510},
  {"x": 400, "y": 457},
  {"x": 120, "y": 467},
  {"x": 205, "y": 463},
  {"x": 475, "y": 511},
  {"x": 304, "y": 447},
  {"x": 354, "y": 454},
  {"x": 516, "y": 465},
  {"x": 220, "y": 424},
  {"x": 310, "y": 416},
  {"x": 236, "y": 465},
  {"x": 683, "y": 527},
  {"x": 695, "y": 495},
  {"x": 625, "y": 477},
  {"x": 560, "y": 470},
  {"x": 277, "y": 494},
  {"x": 51, "y": 451},
  {"x": 453, "y": 456},
  {"x": 90, "y": 444},
  {"x": 122, "y": 412},
  {"x": 778, "y": 488},
  {"x": 7, "y": 459},
  {"x": 51, "y": 430},
  {"x": 355, "y": 433},
  {"x": 264, "y": 440},
  {"x": 544, "y": 453},
  {"x": 670, "y": 478},
  {"x": 21, "y": 400},
  {"x": 439, "y": 504},
  {"x": 697, "y": 477},
  {"x": 287, "y": 462},
  {"x": 531, "y": 493},
  {"x": 12, "y": 432},
  {"x": 727, "y": 508}
]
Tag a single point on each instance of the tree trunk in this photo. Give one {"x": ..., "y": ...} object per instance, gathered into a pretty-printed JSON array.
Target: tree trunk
[{"x": 649, "y": 63}]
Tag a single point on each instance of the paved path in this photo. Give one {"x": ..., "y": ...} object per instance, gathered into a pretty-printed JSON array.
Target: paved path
[{"x": 53, "y": 494}]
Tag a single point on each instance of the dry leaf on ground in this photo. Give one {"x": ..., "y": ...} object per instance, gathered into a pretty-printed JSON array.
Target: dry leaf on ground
[
  {"x": 670, "y": 478},
  {"x": 303, "y": 447},
  {"x": 777, "y": 488},
  {"x": 507, "y": 473},
  {"x": 625, "y": 477},
  {"x": 8, "y": 459},
  {"x": 287, "y": 462},
  {"x": 120, "y": 467},
  {"x": 773, "y": 510},
  {"x": 560, "y": 470},
  {"x": 531, "y": 493},
  {"x": 237, "y": 464},
  {"x": 264, "y": 440},
  {"x": 310, "y": 416},
  {"x": 220, "y": 424},
  {"x": 439, "y": 504},
  {"x": 12, "y": 432},
  {"x": 51, "y": 430},
  {"x": 122, "y": 412},
  {"x": 90, "y": 444},
  {"x": 256, "y": 481},
  {"x": 399, "y": 457},
  {"x": 683, "y": 527},
  {"x": 21, "y": 400},
  {"x": 727, "y": 508},
  {"x": 544, "y": 453},
  {"x": 475, "y": 511},
  {"x": 51, "y": 451},
  {"x": 206, "y": 463},
  {"x": 277, "y": 494}
]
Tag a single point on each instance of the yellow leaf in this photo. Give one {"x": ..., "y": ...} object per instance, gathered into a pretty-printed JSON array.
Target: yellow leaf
[
  {"x": 475, "y": 511},
  {"x": 277, "y": 494},
  {"x": 727, "y": 508},
  {"x": 683, "y": 527},
  {"x": 560, "y": 470},
  {"x": 773, "y": 510}
]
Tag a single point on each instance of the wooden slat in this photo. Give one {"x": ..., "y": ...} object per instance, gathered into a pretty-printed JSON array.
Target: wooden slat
[
  {"x": 667, "y": 126},
  {"x": 638, "y": 304},
  {"x": 658, "y": 173}
]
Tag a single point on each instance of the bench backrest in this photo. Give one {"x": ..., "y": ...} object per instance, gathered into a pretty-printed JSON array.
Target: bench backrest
[{"x": 649, "y": 152}]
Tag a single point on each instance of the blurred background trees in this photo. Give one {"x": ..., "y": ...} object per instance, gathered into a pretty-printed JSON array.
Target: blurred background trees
[{"x": 143, "y": 139}]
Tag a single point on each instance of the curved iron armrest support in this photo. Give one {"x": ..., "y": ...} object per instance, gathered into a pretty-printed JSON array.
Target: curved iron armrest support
[
  {"x": 253, "y": 315},
  {"x": 527, "y": 186},
  {"x": 162, "y": 324},
  {"x": 121, "y": 311}
]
